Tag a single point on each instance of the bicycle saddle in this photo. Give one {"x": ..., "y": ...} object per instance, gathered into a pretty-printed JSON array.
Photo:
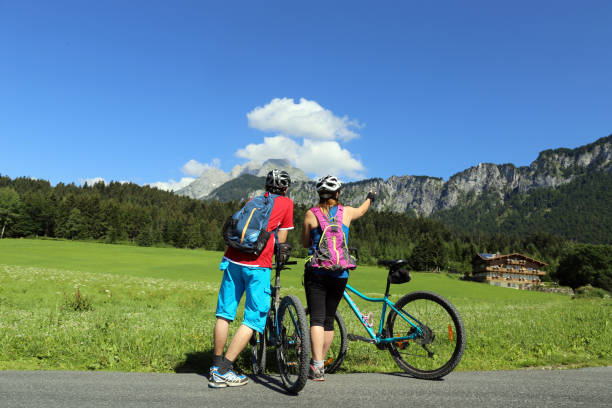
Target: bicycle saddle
[{"x": 393, "y": 263}]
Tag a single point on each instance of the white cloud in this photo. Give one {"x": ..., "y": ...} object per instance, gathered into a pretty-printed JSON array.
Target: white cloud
[
  {"x": 92, "y": 181},
  {"x": 277, "y": 147},
  {"x": 195, "y": 168},
  {"x": 328, "y": 157},
  {"x": 192, "y": 168},
  {"x": 172, "y": 185},
  {"x": 305, "y": 119},
  {"x": 319, "y": 131},
  {"x": 312, "y": 156},
  {"x": 308, "y": 136}
]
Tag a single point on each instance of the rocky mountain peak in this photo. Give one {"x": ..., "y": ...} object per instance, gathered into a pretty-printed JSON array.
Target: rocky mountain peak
[
  {"x": 212, "y": 178},
  {"x": 425, "y": 195}
]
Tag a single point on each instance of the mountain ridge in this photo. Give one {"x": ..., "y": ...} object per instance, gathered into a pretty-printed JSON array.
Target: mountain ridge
[
  {"x": 425, "y": 195},
  {"x": 213, "y": 178}
]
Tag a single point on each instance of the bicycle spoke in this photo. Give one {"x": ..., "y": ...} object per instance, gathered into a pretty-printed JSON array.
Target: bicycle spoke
[
  {"x": 293, "y": 349},
  {"x": 436, "y": 345}
]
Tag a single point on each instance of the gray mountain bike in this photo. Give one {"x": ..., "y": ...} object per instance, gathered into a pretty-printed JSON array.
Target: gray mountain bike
[{"x": 288, "y": 332}]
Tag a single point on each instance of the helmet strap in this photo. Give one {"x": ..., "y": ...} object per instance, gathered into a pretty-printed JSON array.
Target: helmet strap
[{"x": 276, "y": 190}]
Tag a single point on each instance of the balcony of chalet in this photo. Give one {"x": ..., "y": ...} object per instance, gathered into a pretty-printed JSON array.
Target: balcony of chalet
[{"x": 514, "y": 270}]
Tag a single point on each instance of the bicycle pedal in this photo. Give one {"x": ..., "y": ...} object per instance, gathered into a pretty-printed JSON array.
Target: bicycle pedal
[{"x": 355, "y": 337}]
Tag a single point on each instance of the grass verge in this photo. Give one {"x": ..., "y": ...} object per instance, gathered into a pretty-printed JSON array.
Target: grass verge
[{"x": 132, "y": 320}]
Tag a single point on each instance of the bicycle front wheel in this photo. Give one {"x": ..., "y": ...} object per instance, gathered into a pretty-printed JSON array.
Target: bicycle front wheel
[
  {"x": 437, "y": 342},
  {"x": 293, "y": 344}
]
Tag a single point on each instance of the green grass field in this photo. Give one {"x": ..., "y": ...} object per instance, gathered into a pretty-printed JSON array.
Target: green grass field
[{"x": 79, "y": 306}]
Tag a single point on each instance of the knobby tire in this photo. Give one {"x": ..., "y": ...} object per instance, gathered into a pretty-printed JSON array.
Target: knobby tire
[
  {"x": 439, "y": 350},
  {"x": 293, "y": 344}
]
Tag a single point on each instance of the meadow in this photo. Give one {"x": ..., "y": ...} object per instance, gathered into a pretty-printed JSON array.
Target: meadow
[{"x": 88, "y": 306}]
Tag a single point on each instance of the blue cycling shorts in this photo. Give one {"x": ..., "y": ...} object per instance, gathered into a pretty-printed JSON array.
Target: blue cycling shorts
[{"x": 252, "y": 280}]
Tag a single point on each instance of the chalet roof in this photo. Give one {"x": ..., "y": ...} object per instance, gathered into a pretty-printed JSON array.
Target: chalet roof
[
  {"x": 487, "y": 256},
  {"x": 490, "y": 257}
]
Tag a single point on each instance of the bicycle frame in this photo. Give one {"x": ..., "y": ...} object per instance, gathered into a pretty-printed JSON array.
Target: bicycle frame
[
  {"x": 274, "y": 333},
  {"x": 379, "y": 338},
  {"x": 286, "y": 331}
]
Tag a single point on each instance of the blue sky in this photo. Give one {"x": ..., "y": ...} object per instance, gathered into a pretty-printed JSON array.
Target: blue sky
[{"x": 157, "y": 91}]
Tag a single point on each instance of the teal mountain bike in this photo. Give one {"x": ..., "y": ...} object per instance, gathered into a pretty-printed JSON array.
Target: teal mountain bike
[
  {"x": 424, "y": 332},
  {"x": 339, "y": 345},
  {"x": 288, "y": 332}
]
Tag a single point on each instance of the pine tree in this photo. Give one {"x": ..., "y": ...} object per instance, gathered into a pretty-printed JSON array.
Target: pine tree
[{"x": 10, "y": 208}]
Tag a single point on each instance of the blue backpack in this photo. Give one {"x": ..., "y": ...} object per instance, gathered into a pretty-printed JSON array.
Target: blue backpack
[{"x": 246, "y": 229}]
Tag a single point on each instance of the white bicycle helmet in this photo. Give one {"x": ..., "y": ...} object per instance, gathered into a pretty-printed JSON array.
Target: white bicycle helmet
[
  {"x": 277, "y": 180},
  {"x": 329, "y": 184}
]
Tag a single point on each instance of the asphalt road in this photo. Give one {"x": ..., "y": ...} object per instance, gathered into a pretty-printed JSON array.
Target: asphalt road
[{"x": 589, "y": 387}]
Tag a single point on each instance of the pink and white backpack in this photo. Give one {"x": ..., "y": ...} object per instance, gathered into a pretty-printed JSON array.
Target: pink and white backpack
[{"x": 332, "y": 253}]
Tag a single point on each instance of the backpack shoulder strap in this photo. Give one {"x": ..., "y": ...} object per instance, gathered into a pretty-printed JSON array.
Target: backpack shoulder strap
[
  {"x": 339, "y": 214},
  {"x": 323, "y": 223}
]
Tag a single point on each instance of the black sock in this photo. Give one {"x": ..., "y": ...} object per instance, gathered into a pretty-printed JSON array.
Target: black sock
[
  {"x": 225, "y": 365},
  {"x": 217, "y": 360}
]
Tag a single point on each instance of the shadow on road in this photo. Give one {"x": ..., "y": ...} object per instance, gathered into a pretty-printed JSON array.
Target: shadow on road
[
  {"x": 197, "y": 363},
  {"x": 271, "y": 383},
  {"x": 405, "y": 375}
]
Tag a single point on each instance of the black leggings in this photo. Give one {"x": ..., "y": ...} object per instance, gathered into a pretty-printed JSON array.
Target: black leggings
[{"x": 323, "y": 294}]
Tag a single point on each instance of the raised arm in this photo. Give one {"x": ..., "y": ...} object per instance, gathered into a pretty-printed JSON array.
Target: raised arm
[{"x": 355, "y": 213}]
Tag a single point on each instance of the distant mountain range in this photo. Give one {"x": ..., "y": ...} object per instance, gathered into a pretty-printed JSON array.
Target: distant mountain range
[
  {"x": 243, "y": 176},
  {"x": 421, "y": 195}
]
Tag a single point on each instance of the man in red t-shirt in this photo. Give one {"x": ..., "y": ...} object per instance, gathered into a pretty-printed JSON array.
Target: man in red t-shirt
[{"x": 250, "y": 274}]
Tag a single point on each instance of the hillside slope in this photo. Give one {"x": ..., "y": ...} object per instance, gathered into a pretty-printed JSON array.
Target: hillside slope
[{"x": 579, "y": 210}]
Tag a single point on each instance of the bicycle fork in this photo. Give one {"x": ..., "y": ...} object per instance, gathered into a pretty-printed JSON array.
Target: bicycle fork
[{"x": 275, "y": 333}]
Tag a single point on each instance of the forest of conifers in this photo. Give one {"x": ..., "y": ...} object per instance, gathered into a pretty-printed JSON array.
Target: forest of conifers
[
  {"x": 578, "y": 211},
  {"x": 128, "y": 213}
]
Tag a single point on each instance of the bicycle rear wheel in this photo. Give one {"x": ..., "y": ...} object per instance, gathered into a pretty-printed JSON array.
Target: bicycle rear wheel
[
  {"x": 437, "y": 347},
  {"x": 293, "y": 344},
  {"x": 259, "y": 343},
  {"x": 337, "y": 350}
]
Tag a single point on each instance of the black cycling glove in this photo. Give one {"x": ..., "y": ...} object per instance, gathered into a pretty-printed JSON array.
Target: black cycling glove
[
  {"x": 371, "y": 196},
  {"x": 284, "y": 252}
]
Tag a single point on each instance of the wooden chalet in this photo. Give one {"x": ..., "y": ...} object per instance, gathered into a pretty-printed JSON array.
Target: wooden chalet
[{"x": 512, "y": 271}]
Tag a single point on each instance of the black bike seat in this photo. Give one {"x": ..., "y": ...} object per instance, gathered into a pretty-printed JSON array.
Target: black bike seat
[{"x": 393, "y": 263}]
